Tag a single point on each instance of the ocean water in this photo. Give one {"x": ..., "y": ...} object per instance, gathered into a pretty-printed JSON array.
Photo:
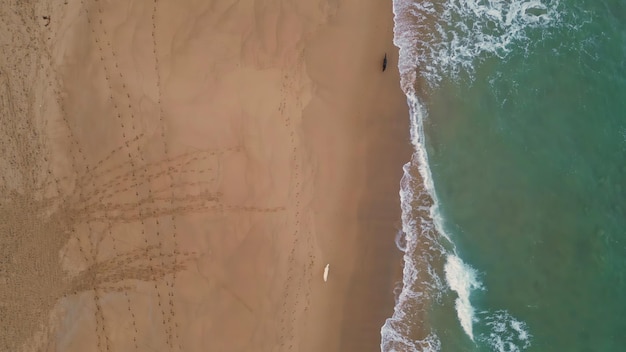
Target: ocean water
[{"x": 514, "y": 202}]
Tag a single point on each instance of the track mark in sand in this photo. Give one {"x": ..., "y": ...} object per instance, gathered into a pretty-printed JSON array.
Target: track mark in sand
[
  {"x": 36, "y": 226},
  {"x": 151, "y": 212},
  {"x": 49, "y": 209},
  {"x": 76, "y": 149},
  {"x": 298, "y": 277},
  {"x": 129, "y": 306},
  {"x": 92, "y": 21},
  {"x": 21, "y": 148},
  {"x": 172, "y": 333}
]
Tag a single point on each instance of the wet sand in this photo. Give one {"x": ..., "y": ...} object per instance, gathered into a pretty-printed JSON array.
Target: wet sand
[{"x": 176, "y": 176}]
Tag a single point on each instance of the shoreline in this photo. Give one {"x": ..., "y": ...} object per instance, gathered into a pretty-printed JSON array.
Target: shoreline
[{"x": 373, "y": 132}]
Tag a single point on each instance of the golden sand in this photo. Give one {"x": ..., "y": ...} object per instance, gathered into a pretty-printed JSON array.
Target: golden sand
[{"x": 177, "y": 175}]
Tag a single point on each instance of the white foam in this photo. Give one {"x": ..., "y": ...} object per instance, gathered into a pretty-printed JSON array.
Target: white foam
[
  {"x": 505, "y": 333},
  {"x": 397, "y": 342},
  {"x": 447, "y": 38},
  {"x": 462, "y": 280},
  {"x": 401, "y": 241},
  {"x": 420, "y": 242}
]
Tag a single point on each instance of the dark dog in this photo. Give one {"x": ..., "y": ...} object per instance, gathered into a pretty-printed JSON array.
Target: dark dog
[{"x": 385, "y": 62}]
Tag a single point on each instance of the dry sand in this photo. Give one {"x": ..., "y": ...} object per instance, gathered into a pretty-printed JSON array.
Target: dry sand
[{"x": 176, "y": 175}]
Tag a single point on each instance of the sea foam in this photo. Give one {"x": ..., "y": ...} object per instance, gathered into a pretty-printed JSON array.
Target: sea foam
[
  {"x": 505, "y": 333},
  {"x": 450, "y": 37},
  {"x": 421, "y": 245},
  {"x": 440, "y": 39},
  {"x": 462, "y": 279}
]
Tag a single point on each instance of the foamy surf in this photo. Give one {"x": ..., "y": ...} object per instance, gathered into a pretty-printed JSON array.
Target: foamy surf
[
  {"x": 449, "y": 38},
  {"x": 462, "y": 279},
  {"x": 421, "y": 245},
  {"x": 440, "y": 39},
  {"x": 424, "y": 242},
  {"x": 505, "y": 333}
]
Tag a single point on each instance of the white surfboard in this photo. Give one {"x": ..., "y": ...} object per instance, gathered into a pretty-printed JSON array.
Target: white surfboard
[{"x": 326, "y": 272}]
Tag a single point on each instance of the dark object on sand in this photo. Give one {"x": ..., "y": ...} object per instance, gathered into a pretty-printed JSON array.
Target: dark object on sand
[{"x": 385, "y": 62}]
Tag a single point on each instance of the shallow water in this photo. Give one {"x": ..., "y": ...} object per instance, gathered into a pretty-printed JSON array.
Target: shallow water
[{"x": 523, "y": 130}]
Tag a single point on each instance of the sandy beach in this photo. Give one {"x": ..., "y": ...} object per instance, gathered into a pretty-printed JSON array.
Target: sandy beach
[{"x": 177, "y": 175}]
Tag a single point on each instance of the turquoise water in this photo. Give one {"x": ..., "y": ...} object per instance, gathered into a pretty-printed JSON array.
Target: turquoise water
[{"x": 521, "y": 120}]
